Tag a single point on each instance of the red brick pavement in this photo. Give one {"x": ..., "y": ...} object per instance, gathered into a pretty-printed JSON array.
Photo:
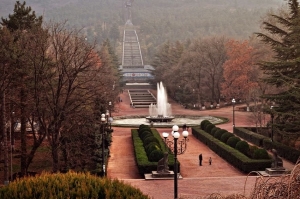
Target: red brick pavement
[{"x": 198, "y": 181}]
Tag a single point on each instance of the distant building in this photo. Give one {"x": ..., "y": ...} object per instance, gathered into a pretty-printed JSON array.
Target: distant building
[{"x": 132, "y": 68}]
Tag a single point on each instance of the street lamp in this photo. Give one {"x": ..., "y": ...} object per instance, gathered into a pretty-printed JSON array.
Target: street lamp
[
  {"x": 272, "y": 121},
  {"x": 109, "y": 105},
  {"x": 179, "y": 148},
  {"x": 103, "y": 133},
  {"x": 110, "y": 119},
  {"x": 233, "y": 122}
]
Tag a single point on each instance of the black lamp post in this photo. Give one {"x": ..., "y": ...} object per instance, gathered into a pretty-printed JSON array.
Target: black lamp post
[
  {"x": 178, "y": 150},
  {"x": 233, "y": 119},
  {"x": 272, "y": 121},
  {"x": 103, "y": 120}
]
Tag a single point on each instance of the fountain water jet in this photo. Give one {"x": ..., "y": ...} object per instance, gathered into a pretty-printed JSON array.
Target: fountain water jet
[{"x": 161, "y": 111}]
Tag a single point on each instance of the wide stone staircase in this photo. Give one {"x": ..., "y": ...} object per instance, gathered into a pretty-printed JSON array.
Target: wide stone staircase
[
  {"x": 140, "y": 98},
  {"x": 132, "y": 55}
]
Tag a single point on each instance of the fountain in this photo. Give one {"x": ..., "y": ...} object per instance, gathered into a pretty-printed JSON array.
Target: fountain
[{"x": 161, "y": 111}]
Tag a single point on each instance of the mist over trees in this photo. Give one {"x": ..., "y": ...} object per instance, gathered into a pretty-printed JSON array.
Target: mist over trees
[{"x": 156, "y": 21}]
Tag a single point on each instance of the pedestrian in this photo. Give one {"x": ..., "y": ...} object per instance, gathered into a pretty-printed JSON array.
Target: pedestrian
[
  {"x": 210, "y": 160},
  {"x": 200, "y": 159},
  {"x": 184, "y": 127}
]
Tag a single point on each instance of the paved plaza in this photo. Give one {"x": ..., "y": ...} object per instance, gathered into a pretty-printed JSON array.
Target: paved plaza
[{"x": 198, "y": 181}]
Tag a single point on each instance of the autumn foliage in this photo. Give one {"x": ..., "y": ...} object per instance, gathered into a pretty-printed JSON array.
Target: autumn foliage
[{"x": 239, "y": 72}]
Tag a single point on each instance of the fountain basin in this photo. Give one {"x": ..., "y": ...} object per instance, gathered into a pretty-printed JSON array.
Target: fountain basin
[
  {"x": 159, "y": 119},
  {"x": 137, "y": 120}
]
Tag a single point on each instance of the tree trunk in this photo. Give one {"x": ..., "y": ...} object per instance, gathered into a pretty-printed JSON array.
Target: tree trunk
[
  {"x": 30, "y": 157},
  {"x": 55, "y": 158},
  {"x": 23, "y": 134},
  {"x": 4, "y": 133}
]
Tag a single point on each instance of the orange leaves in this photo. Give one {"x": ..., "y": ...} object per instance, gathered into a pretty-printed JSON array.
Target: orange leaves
[{"x": 238, "y": 69}]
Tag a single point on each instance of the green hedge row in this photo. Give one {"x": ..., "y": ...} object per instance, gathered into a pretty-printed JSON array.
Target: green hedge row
[
  {"x": 250, "y": 136},
  {"x": 284, "y": 151},
  {"x": 233, "y": 156},
  {"x": 150, "y": 143},
  {"x": 233, "y": 141},
  {"x": 143, "y": 163}
]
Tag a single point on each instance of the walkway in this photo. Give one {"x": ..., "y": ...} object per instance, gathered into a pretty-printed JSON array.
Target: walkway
[{"x": 198, "y": 181}]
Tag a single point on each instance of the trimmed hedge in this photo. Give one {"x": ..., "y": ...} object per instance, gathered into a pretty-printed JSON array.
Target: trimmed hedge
[
  {"x": 218, "y": 134},
  {"x": 226, "y": 136},
  {"x": 232, "y": 141},
  {"x": 243, "y": 147},
  {"x": 155, "y": 155},
  {"x": 231, "y": 155},
  {"x": 250, "y": 136},
  {"x": 204, "y": 123},
  {"x": 150, "y": 139},
  {"x": 214, "y": 130},
  {"x": 152, "y": 146},
  {"x": 283, "y": 151},
  {"x": 209, "y": 127},
  {"x": 143, "y": 164},
  {"x": 260, "y": 154}
]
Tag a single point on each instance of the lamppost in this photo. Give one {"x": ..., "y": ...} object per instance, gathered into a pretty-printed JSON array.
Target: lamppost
[
  {"x": 233, "y": 122},
  {"x": 109, "y": 105},
  {"x": 272, "y": 121},
  {"x": 110, "y": 119},
  {"x": 103, "y": 120},
  {"x": 179, "y": 148}
]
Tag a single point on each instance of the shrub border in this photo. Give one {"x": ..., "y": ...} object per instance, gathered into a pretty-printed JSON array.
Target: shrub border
[
  {"x": 231, "y": 155},
  {"x": 284, "y": 151},
  {"x": 143, "y": 164}
]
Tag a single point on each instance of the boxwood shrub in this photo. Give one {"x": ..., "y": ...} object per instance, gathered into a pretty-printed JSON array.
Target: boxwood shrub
[
  {"x": 156, "y": 155},
  {"x": 218, "y": 134},
  {"x": 232, "y": 141},
  {"x": 226, "y": 136},
  {"x": 213, "y": 131},
  {"x": 243, "y": 147},
  {"x": 209, "y": 127},
  {"x": 204, "y": 123},
  {"x": 150, "y": 139},
  {"x": 144, "y": 134},
  {"x": 252, "y": 148},
  {"x": 151, "y": 147},
  {"x": 260, "y": 154}
]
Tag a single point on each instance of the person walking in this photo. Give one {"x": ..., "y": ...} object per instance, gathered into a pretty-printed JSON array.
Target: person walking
[
  {"x": 184, "y": 127},
  {"x": 200, "y": 159}
]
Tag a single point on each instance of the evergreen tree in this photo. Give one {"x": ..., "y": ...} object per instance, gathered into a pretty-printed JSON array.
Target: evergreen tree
[
  {"x": 284, "y": 71},
  {"x": 23, "y": 18},
  {"x": 23, "y": 23}
]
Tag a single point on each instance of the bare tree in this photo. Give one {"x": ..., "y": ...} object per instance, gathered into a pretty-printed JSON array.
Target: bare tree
[{"x": 68, "y": 84}]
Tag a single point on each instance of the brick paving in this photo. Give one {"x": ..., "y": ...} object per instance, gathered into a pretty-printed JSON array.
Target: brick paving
[{"x": 198, "y": 181}]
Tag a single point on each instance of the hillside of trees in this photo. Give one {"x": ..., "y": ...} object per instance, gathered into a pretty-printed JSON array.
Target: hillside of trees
[{"x": 157, "y": 21}]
